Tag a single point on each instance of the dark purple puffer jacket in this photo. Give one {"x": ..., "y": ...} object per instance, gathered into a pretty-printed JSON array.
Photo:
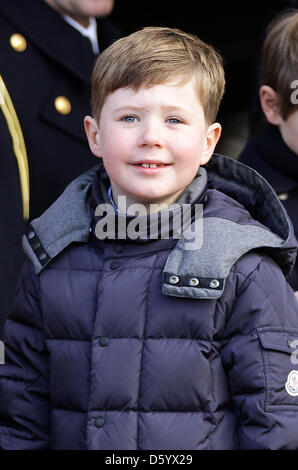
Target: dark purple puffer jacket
[{"x": 113, "y": 345}]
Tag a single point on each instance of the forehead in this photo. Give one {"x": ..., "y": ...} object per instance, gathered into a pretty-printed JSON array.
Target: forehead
[{"x": 166, "y": 94}]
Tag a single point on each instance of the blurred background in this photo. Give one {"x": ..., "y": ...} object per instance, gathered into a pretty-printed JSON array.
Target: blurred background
[{"x": 234, "y": 28}]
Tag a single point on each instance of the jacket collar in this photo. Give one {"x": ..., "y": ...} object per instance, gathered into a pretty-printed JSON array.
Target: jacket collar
[
  {"x": 148, "y": 228},
  {"x": 39, "y": 22},
  {"x": 280, "y": 163},
  {"x": 69, "y": 220},
  {"x": 271, "y": 140}
]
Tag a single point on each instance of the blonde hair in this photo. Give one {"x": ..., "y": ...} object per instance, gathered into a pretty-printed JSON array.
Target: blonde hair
[
  {"x": 280, "y": 59},
  {"x": 153, "y": 56}
]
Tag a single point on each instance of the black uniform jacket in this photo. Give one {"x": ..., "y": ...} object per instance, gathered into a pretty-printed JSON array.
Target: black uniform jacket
[
  {"x": 45, "y": 68},
  {"x": 271, "y": 157}
]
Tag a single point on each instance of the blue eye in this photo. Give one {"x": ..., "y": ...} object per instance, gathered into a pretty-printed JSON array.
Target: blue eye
[
  {"x": 129, "y": 118},
  {"x": 174, "y": 120}
]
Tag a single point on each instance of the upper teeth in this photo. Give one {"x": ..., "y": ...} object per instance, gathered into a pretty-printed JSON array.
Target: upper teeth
[{"x": 147, "y": 165}]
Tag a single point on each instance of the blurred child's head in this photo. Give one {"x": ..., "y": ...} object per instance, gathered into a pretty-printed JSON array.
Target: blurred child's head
[
  {"x": 155, "y": 96},
  {"x": 279, "y": 74}
]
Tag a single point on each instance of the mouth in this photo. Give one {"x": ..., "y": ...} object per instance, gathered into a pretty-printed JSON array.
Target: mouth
[{"x": 151, "y": 165}]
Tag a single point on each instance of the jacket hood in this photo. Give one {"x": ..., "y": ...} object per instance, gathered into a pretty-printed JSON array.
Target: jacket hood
[{"x": 242, "y": 213}]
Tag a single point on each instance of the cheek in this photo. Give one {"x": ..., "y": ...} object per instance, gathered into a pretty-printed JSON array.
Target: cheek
[
  {"x": 290, "y": 136},
  {"x": 111, "y": 150},
  {"x": 289, "y": 132},
  {"x": 294, "y": 135},
  {"x": 188, "y": 164},
  {"x": 114, "y": 154},
  {"x": 193, "y": 140},
  {"x": 110, "y": 143},
  {"x": 190, "y": 152}
]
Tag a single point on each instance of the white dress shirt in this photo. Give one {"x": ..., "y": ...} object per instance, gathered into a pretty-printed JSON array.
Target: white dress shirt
[{"x": 90, "y": 32}]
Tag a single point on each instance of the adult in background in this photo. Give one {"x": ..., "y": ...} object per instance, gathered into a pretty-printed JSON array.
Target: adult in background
[{"x": 48, "y": 48}]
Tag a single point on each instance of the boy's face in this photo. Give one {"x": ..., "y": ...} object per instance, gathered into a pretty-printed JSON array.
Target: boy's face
[{"x": 163, "y": 126}]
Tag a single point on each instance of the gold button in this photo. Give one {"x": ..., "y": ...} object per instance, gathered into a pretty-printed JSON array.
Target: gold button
[
  {"x": 283, "y": 196},
  {"x": 18, "y": 42},
  {"x": 62, "y": 105}
]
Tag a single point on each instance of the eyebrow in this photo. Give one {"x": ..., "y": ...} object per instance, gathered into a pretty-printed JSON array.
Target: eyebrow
[{"x": 139, "y": 108}]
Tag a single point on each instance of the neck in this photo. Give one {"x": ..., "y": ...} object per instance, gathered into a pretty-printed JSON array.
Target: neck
[
  {"x": 124, "y": 203},
  {"x": 82, "y": 20}
]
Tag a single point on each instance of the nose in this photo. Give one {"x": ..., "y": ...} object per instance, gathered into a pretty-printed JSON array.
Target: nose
[{"x": 150, "y": 134}]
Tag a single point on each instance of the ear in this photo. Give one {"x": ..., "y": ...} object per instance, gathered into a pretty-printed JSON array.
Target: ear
[
  {"x": 269, "y": 103},
  {"x": 92, "y": 132},
  {"x": 212, "y": 137}
]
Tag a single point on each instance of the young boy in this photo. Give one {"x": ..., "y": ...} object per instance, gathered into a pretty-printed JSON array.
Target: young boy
[
  {"x": 274, "y": 150},
  {"x": 174, "y": 339}
]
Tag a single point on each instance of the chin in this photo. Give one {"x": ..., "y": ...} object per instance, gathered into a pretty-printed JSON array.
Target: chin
[
  {"x": 103, "y": 8},
  {"x": 151, "y": 198}
]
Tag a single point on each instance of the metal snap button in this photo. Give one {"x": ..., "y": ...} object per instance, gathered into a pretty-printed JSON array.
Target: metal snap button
[
  {"x": 214, "y": 284},
  {"x": 42, "y": 256},
  {"x": 99, "y": 422},
  {"x": 291, "y": 343},
  {"x": 31, "y": 235},
  {"x": 193, "y": 282},
  {"x": 103, "y": 341},
  {"x": 114, "y": 264},
  {"x": 173, "y": 279},
  {"x": 118, "y": 248},
  {"x": 283, "y": 196}
]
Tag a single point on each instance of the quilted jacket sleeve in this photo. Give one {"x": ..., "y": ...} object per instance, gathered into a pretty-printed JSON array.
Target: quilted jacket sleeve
[
  {"x": 260, "y": 355},
  {"x": 24, "y": 389}
]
